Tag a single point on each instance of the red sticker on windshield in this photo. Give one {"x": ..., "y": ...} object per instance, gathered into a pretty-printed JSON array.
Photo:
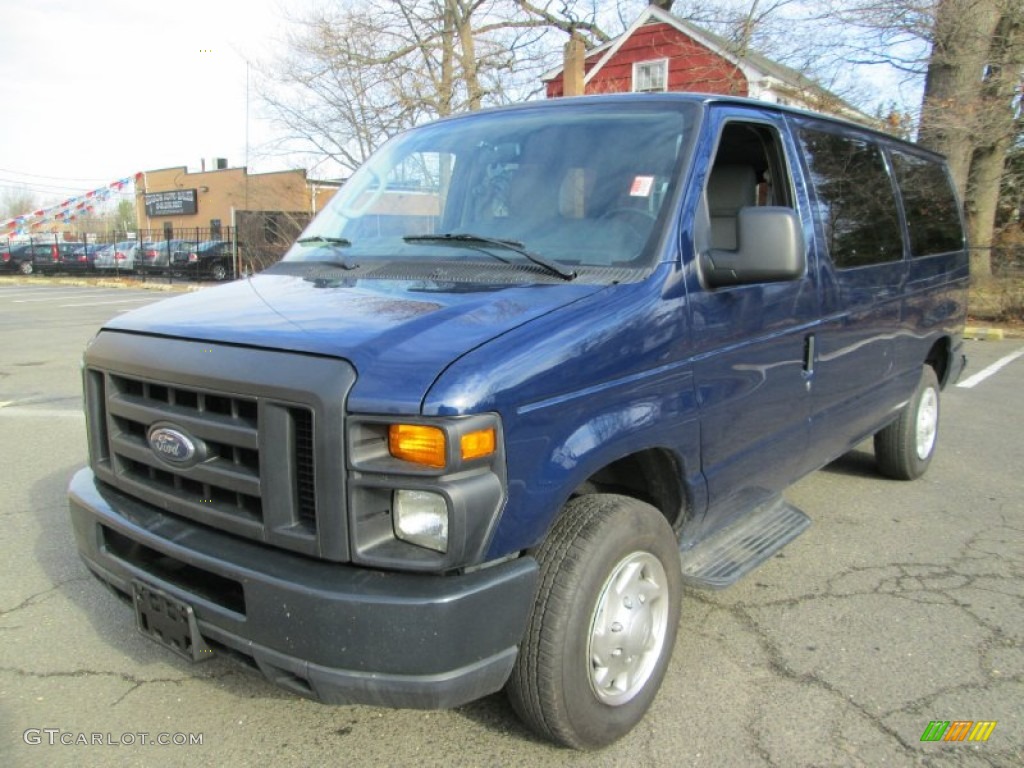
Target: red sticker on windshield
[{"x": 641, "y": 186}]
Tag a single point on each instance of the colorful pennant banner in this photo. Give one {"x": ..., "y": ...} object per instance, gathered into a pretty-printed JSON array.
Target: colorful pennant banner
[{"x": 67, "y": 211}]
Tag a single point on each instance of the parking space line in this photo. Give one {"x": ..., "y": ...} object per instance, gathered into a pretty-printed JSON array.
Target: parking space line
[
  {"x": 983, "y": 374},
  {"x": 42, "y": 413},
  {"x": 116, "y": 301},
  {"x": 54, "y": 297},
  {"x": 8, "y": 293}
]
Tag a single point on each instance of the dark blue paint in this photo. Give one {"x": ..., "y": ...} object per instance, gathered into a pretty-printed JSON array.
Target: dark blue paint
[
  {"x": 584, "y": 375},
  {"x": 398, "y": 337}
]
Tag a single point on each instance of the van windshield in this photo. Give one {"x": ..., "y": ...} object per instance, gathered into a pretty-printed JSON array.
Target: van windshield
[{"x": 557, "y": 190}]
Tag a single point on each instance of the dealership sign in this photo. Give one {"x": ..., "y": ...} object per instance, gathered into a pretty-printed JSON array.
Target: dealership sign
[{"x": 180, "y": 202}]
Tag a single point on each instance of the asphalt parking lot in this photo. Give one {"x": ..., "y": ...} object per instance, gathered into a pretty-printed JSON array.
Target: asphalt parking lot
[{"x": 903, "y": 604}]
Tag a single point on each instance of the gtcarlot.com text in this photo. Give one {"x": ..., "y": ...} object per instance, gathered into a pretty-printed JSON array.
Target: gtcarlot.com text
[{"x": 57, "y": 736}]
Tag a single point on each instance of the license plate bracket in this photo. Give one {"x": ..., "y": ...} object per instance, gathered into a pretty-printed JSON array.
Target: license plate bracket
[{"x": 169, "y": 621}]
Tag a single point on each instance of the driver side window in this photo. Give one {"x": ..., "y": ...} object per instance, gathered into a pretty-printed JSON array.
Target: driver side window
[{"x": 749, "y": 170}]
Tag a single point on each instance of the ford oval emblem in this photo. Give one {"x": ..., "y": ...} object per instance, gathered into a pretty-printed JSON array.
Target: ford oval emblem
[{"x": 172, "y": 445}]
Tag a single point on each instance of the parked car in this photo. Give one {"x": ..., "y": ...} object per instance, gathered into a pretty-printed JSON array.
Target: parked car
[
  {"x": 156, "y": 256},
  {"x": 38, "y": 257},
  {"x": 210, "y": 258},
  {"x": 81, "y": 257},
  {"x": 119, "y": 256},
  {"x": 103, "y": 254},
  {"x": 486, "y": 445}
]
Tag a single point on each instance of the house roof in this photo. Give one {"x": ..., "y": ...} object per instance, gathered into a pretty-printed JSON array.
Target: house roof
[{"x": 756, "y": 67}]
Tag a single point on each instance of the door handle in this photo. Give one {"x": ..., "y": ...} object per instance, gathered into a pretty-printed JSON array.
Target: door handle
[{"x": 809, "y": 341}]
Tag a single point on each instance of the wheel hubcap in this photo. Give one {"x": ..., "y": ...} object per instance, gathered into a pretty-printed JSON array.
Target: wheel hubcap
[
  {"x": 628, "y": 628},
  {"x": 927, "y": 423}
]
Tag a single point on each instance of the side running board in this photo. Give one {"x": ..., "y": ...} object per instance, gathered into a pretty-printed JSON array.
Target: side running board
[{"x": 728, "y": 555}]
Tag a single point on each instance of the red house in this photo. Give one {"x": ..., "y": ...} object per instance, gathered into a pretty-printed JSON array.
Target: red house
[{"x": 661, "y": 52}]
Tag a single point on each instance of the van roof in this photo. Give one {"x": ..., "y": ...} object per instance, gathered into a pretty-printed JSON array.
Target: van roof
[{"x": 704, "y": 100}]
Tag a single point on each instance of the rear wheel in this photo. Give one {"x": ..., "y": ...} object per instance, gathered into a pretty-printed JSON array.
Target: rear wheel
[
  {"x": 904, "y": 449},
  {"x": 25, "y": 268},
  {"x": 219, "y": 271},
  {"x": 604, "y": 622}
]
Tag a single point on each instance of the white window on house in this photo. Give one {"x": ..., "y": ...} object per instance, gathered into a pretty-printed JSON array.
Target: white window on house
[{"x": 650, "y": 76}]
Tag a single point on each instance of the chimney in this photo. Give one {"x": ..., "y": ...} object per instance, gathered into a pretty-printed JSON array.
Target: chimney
[{"x": 572, "y": 73}]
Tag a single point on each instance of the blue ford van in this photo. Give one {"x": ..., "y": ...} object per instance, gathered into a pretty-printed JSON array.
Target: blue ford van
[{"x": 532, "y": 371}]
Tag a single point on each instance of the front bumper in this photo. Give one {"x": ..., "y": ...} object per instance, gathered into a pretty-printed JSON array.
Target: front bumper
[{"x": 337, "y": 633}]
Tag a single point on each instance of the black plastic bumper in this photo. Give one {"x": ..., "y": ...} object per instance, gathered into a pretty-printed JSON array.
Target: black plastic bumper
[{"x": 337, "y": 633}]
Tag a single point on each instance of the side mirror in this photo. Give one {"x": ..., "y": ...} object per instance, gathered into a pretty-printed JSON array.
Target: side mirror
[{"x": 771, "y": 249}]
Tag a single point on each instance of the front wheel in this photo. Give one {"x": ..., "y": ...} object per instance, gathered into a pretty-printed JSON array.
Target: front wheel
[
  {"x": 904, "y": 449},
  {"x": 604, "y": 622}
]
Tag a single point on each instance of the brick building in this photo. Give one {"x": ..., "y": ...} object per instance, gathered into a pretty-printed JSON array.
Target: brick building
[{"x": 267, "y": 210}]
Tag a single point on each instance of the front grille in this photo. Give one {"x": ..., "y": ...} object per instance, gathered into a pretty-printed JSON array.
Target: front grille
[
  {"x": 254, "y": 441},
  {"x": 229, "y": 479},
  {"x": 305, "y": 469}
]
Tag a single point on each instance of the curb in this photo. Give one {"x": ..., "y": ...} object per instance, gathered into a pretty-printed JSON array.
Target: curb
[
  {"x": 984, "y": 334},
  {"x": 105, "y": 283}
]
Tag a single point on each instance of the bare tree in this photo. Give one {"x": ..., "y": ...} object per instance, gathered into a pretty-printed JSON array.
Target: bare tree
[
  {"x": 358, "y": 73},
  {"x": 361, "y": 71},
  {"x": 17, "y": 202},
  {"x": 969, "y": 53},
  {"x": 580, "y": 18},
  {"x": 332, "y": 94},
  {"x": 1000, "y": 123},
  {"x": 974, "y": 70},
  {"x": 951, "y": 114},
  {"x": 1010, "y": 215}
]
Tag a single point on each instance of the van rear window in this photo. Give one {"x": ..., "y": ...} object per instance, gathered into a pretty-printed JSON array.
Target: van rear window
[
  {"x": 933, "y": 217},
  {"x": 855, "y": 201}
]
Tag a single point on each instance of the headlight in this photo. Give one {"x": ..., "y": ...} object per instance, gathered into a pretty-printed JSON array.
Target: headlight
[
  {"x": 425, "y": 492},
  {"x": 421, "y": 517}
]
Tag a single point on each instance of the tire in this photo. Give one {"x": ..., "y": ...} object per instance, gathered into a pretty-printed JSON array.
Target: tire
[
  {"x": 26, "y": 268},
  {"x": 904, "y": 449},
  {"x": 219, "y": 271},
  {"x": 611, "y": 563}
]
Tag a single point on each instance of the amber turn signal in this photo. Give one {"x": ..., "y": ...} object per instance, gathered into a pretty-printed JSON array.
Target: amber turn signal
[
  {"x": 476, "y": 445},
  {"x": 417, "y": 443}
]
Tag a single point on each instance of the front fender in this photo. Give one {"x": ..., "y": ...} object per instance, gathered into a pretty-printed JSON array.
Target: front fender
[
  {"x": 578, "y": 389},
  {"x": 556, "y": 445}
]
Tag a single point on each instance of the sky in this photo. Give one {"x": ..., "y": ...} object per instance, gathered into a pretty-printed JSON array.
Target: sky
[{"x": 93, "y": 92}]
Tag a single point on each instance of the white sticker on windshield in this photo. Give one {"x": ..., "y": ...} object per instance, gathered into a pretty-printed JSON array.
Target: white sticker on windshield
[{"x": 641, "y": 186}]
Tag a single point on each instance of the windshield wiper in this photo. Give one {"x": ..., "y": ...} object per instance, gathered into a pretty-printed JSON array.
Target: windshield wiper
[
  {"x": 332, "y": 263},
  {"x": 339, "y": 242},
  {"x": 334, "y": 242},
  {"x": 471, "y": 240}
]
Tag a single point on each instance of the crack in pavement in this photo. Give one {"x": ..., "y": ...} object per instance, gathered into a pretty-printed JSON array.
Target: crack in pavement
[
  {"x": 939, "y": 585},
  {"x": 778, "y": 665},
  {"x": 36, "y": 598},
  {"x": 136, "y": 682}
]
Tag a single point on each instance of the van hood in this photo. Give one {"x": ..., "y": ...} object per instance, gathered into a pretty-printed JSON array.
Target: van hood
[{"x": 399, "y": 334}]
